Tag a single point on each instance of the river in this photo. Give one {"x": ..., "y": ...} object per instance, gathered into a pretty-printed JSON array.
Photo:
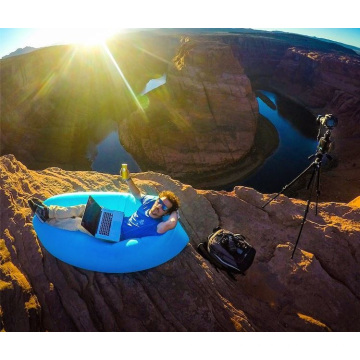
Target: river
[
  {"x": 297, "y": 131},
  {"x": 108, "y": 155}
]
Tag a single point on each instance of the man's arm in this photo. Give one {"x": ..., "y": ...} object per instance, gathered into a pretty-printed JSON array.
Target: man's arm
[
  {"x": 133, "y": 188},
  {"x": 169, "y": 224}
]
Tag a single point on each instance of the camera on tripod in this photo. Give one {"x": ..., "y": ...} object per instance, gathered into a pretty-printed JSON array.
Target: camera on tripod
[
  {"x": 324, "y": 146},
  {"x": 329, "y": 121}
]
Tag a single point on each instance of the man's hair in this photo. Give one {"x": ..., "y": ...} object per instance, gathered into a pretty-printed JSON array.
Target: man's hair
[{"x": 175, "y": 201}]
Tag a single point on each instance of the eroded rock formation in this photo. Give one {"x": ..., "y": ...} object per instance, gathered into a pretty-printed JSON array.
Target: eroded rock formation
[
  {"x": 318, "y": 290},
  {"x": 202, "y": 121}
]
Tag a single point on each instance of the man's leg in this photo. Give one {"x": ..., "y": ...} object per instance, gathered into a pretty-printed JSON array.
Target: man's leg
[
  {"x": 66, "y": 212},
  {"x": 68, "y": 218}
]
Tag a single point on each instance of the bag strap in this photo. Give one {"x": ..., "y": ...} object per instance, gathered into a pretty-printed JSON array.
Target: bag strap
[{"x": 202, "y": 250}]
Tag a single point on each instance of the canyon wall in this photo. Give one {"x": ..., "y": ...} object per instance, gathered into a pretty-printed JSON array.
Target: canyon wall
[
  {"x": 202, "y": 123},
  {"x": 317, "y": 290},
  {"x": 329, "y": 83},
  {"x": 56, "y": 100},
  {"x": 320, "y": 77}
]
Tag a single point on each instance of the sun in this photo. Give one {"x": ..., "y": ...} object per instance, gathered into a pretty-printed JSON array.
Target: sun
[
  {"x": 80, "y": 36},
  {"x": 91, "y": 37}
]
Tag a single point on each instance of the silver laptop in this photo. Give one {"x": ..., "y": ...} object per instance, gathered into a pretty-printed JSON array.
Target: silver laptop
[{"x": 102, "y": 223}]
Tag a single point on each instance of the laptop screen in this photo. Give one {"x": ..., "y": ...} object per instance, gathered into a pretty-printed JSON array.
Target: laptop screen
[{"x": 91, "y": 216}]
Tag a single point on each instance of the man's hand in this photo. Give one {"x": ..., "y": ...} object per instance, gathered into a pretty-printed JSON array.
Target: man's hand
[
  {"x": 169, "y": 224},
  {"x": 132, "y": 187},
  {"x": 125, "y": 174}
]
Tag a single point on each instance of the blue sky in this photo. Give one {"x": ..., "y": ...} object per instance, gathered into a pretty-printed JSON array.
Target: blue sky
[
  {"x": 14, "y": 38},
  {"x": 344, "y": 35},
  {"x": 40, "y": 23}
]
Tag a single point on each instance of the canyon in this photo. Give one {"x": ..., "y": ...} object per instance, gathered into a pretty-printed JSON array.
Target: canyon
[
  {"x": 203, "y": 121},
  {"x": 202, "y": 124},
  {"x": 321, "y": 78}
]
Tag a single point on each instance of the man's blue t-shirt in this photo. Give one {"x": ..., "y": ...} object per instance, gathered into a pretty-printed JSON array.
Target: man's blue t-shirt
[{"x": 140, "y": 224}]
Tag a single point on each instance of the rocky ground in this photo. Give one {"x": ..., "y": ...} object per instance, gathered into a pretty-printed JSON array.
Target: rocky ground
[{"x": 317, "y": 290}]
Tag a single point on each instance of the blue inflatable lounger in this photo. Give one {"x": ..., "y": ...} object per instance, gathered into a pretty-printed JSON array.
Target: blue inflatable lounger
[{"x": 86, "y": 252}]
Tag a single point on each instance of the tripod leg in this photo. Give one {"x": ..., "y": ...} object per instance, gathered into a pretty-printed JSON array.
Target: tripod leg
[
  {"x": 312, "y": 177},
  {"x": 292, "y": 182},
  {"x": 306, "y": 212},
  {"x": 317, "y": 189}
]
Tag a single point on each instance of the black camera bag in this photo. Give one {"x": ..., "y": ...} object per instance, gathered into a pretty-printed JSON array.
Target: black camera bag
[{"x": 227, "y": 251}]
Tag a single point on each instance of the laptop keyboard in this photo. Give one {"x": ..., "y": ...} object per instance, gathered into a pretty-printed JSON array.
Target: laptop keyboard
[{"x": 106, "y": 223}]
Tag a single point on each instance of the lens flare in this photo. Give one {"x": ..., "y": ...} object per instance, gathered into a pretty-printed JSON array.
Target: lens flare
[{"x": 123, "y": 77}]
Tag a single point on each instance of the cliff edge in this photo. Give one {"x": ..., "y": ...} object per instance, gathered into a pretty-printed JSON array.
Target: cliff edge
[{"x": 317, "y": 290}]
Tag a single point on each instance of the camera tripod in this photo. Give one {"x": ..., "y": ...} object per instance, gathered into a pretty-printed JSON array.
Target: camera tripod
[{"x": 323, "y": 146}]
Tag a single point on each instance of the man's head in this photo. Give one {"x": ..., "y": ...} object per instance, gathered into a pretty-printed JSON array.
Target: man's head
[{"x": 165, "y": 204}]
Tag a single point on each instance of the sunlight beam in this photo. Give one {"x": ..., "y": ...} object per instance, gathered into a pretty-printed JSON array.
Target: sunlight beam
[
  {"x": 123, "y": 77},
  {"x": 153, "y": 55}
]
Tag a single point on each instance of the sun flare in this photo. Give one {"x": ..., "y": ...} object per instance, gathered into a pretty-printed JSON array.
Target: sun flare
[
  {"x": 85, "y": 37},
  {"x": 92, "y": 37}
]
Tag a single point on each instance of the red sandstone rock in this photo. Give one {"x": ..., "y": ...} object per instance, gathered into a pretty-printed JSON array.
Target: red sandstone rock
[
  {"x": 202, "y": 120},
  {"x": 316, "y": 291},
  {"x": 324, "y": 80},
  {"x": 329, "y": 83}
]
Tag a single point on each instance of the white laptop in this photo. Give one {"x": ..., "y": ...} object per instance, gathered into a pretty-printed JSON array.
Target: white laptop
[{"x": 103, "y": 223}]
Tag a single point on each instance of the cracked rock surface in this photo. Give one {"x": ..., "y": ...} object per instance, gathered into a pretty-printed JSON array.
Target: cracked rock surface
[{"x": 317, "y": 290}]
